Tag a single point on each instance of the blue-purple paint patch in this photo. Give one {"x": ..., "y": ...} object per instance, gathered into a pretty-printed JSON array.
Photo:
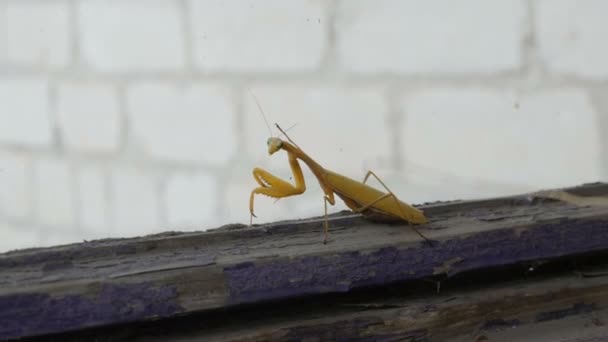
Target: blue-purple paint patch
[
  {"x": 31, "y": 314},
  {"x": 250, "y": 282}
]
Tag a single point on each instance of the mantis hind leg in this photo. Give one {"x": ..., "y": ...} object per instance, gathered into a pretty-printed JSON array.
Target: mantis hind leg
[{"x": 397, "y": 202}]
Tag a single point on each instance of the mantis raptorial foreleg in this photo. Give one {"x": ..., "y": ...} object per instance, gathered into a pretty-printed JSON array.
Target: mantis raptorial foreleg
[{"x": 273, "y": 186}]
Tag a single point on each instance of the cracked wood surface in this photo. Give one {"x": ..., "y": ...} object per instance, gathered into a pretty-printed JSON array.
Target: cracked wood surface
[
  {"x": 106, "y": 282},
  {"x": 560, "y": 308}
]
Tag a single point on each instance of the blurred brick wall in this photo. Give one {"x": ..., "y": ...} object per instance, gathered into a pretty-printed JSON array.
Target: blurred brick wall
[{"x": 128, "y": 117}]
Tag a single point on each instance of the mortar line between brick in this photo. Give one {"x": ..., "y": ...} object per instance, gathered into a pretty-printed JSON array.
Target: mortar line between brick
[
  {"x": 238, "y": 93},
  {"x": 184, "y": 8},
  {"x": 74, "y": 32},
  {"x": 529, "y": 40},
  {"x": 223, "y": 177},
  {"x": 395, "y": 120},
  {"x": 3, "y": 34},
  {"x": 35, "y": 193},
  {"x": 125, "y": 128},
  {"x": 56, "y": 143},
  {"x": 31, "y": 188},
  {"x": 604, "y": 143},
  {"x": 161, "y": 183},
  {"x": 73, "y": 172},
  {"x": 109, "y": 200},
  {"x": 600, "y": 104},
  {"x": 329, "y": 58},
  {"x": 352, "y": 78}
]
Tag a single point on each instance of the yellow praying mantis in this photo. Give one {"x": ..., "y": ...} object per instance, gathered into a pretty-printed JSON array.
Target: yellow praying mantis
[{"x": 373, "y": 204}]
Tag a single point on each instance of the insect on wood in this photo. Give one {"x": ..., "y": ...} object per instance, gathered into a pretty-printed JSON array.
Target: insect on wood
[{"x": 372, "y": 203}]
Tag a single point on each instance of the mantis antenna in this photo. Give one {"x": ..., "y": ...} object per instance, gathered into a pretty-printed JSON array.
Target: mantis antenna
[
  {"x": 261, "y": 110},
  {"x": 287, "y": 136},
  {"x": 266, "y": 121}
]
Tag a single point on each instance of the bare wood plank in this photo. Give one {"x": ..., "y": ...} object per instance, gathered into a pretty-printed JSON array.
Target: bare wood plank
[{"x": 117, "y": 281}]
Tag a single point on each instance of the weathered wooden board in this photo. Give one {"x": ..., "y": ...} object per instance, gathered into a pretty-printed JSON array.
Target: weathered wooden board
[
  {"x": 563, "y": 308},
  {"x": 117, "y": 281}
]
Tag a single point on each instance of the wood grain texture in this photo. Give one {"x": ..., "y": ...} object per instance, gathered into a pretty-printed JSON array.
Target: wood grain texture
[{"x": 105, "y": 282}]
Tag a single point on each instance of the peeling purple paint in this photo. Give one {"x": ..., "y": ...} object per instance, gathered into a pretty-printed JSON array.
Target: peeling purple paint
[
  {"x": 249, "y": 282},
  {"x": 30, "y": 314}
]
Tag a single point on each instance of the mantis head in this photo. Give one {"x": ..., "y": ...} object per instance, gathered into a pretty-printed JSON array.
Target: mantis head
[{"x": 274, "y": 144}]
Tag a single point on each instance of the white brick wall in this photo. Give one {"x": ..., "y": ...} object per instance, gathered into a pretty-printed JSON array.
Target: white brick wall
[
  {"x": 182, "y": 122},
  {"x": 93, "y": 197},
  {"x": 433, "y": 36},
  {"x": 570, "y": 35},
  {"x": 131, "y": 36},
  {"x": 136, "y": 204},
  {"x": 129, "y": 117},
  {"x": 15, "y": 182},
  {"x": 25, "y": 113},
  {"x": 521, "y": 139},
  {"x": 287, "y": 35},
  {"x": 89, "y": 117},
  {"x": 54, "y": 200},
  {"x": 14, "y": 237},
  {"x": 37, "y": 34},
  {"x": 191, "y": 200}
]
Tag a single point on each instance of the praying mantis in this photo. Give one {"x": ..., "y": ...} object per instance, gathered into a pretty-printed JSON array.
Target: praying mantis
[{"x": 373, "y": 204}]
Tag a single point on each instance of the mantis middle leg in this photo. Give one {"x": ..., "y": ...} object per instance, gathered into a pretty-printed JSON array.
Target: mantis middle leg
[{"x": 273, "y": 186}]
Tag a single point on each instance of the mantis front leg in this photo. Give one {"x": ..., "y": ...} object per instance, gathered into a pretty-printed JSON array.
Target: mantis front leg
[{"x": 273, "y": 186}]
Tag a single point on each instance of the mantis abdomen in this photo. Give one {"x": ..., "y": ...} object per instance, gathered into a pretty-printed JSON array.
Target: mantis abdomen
[{"x": 385, "y": 208}]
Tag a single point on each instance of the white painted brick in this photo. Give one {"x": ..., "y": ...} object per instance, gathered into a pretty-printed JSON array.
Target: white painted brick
[
  {"x": 24, "y": 112},
  {"x": 501, "y": 139},
  {"x": 190, "y": 122},
  {"x": 55, "y": 198},
  {"x": 191, "y": 201},
  {"x": 436, "y": 36},
  {"x": 15, "y": 197},
  {"x": 572, "y": 36},
  {"x": 37, "y": 33},
  {"x": 344, "y": 129},
  {"x": 135, "y": 202},
  {"x": 131, "y": 35},
  {"x": 89, "y": 117},
  {"x": 272, "y": 35},
  {"x": 93, "y": 200},
  {"x": 14, "y": 237}
]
